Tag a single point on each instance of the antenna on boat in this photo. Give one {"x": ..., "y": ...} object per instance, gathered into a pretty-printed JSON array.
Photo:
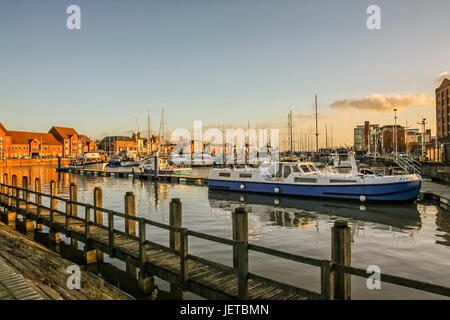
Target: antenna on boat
[{"x": 317, "y": 128}]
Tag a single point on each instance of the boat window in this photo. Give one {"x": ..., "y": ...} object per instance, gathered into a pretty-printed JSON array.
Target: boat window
[
  {"x": 312, "y": 168},
  {"x": 305, "y": 168},
  {"x": 245, "y": 175},
  {"x": 295, "y": 169},
  {"x": 305, "y": 180},
  {"x": 224, "y": 174},
  {"x": 341, "y": 181},
  {"x": 287, "y": 171},
  {"x": 280, "y": 167}
]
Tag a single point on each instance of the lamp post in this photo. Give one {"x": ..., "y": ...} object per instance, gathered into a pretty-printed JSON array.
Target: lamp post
[
  {"x": 395, "y": 134},
  {"x": 423, "y": 123}
]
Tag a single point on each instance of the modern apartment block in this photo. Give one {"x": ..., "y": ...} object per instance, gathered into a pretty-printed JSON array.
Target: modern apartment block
[{"x": 443, "y": 118}]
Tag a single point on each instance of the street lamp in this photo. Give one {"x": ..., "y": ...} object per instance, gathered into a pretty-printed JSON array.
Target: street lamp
[
  {"x": 395, "y": 134},
  {"x": 423, "y": 123}
]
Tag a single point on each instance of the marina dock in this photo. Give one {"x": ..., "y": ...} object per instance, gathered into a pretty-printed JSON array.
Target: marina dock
[
  {"x": 432, "y": 190},
  {"x": 175, "y": 263}
]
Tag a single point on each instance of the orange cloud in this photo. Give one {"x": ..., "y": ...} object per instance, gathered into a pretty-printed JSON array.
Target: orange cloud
[{"x": 384, "y": 103}]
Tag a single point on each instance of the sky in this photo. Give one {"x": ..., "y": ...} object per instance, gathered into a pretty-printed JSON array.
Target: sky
[{"x": 226, "y": 63}]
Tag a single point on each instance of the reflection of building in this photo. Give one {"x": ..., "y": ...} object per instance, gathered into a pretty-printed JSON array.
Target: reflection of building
[{"x": 443, "y": 118}]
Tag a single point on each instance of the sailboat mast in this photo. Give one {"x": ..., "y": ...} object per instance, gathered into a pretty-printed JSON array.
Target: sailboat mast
[
  {"x": 317, "y": 128},
  {"x": 331, "y": 136},
  {"x": 149, "y": 133}
]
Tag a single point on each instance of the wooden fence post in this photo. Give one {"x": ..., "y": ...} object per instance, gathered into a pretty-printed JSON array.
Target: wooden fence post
[
  {"x": 130, "y": 210},
  {"x": 98, "y": 215},
  {"x": 89, "y": 253},
  {"x": 130, "y": 225},
  {"x": 98, "y": 202},
  {"x": 38, "y": 201},
  {"x": 5, "y": 192},
  {"x": 53, "y": 236},
  {"x": 111, "y": 234},
  {"x": 29, "y": 224},
  {"x": 145, "y": 280},
  {"x": 184, "y": 252},
  {"x": 13, "y": 201},
  {"x": 175, "y": 220},
  {"x": 341, "y": 254},
  {"x": 240, "y": 250},
  {"x": 73, "y": 211},
  {"x": 327, "y": 280},
  {"x": 5, "y": 189}
]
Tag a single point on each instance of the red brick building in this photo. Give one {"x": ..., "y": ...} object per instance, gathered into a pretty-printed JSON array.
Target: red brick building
[
  {"x": 60, "y": 141},
  {"x": 87, "y": 145},
  {"x": 21, "y": 144},
  {"x": 69, "y": 139},
  {"x": 443, "y": 118}
]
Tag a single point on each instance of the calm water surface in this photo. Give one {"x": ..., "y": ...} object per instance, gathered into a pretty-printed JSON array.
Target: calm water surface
[{"x": 410, "y": 240}]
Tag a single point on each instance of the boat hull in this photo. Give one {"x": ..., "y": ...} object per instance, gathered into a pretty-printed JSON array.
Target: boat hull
[
  {"x": 180, "y": 171},
  {"x": 393, "y": 192}
]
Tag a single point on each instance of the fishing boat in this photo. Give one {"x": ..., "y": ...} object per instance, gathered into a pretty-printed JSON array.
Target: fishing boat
[
  {"x": 304, "y": 179},
  {"x": 90, "y": 160},
  {"x": 163, "y": 167}
]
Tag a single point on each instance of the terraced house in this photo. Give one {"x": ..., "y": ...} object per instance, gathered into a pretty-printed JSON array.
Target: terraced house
[
  {"x": 59, "y": 142},
  {"x": 69, "y": 139}
]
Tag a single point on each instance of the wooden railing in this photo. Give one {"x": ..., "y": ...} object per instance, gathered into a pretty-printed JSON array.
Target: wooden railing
[{"x": 335, "y": 273}]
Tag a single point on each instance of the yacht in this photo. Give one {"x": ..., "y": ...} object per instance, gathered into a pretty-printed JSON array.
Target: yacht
[
  {"x": 163, "y": 167},
  {"x": 304, "y": 179},
  {"x": 90, "y": 160}
]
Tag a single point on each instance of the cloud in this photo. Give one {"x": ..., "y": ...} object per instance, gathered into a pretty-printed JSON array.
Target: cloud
[
  {"x": 441, "y": 77},
  {"x": 384, "y": 103}
]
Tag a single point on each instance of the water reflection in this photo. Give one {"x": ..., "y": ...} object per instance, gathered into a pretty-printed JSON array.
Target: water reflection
[
  {"x": 392, "y": 236},
  {"x": 304, "y": 213}
]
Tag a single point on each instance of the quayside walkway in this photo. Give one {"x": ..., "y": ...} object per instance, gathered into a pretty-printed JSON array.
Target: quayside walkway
[
  {"x": 13, "y": 286},
  {"x": 101, "y": 231}
]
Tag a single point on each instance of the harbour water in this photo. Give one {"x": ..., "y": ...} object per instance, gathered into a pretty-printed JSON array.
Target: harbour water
[{"x": 409, "y": 240}]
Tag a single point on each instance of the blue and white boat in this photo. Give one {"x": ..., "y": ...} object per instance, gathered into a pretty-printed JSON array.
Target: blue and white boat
[
  {"x": 148, "y": 167},
  {"x": 304, "y": 179}
]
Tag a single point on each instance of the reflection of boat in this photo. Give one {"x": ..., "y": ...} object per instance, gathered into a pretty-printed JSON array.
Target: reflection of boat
[
  {"x": 305, "y": 179},
  {"x": 402, "y": 216},
  {"x": 163, "y": 167},
  {"x": 89, "y": 160}
]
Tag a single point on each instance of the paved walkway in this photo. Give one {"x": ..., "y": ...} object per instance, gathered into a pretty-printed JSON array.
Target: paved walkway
[
  {"x": 13, "y": 286},
  {"x": 437, "y": 189}
]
